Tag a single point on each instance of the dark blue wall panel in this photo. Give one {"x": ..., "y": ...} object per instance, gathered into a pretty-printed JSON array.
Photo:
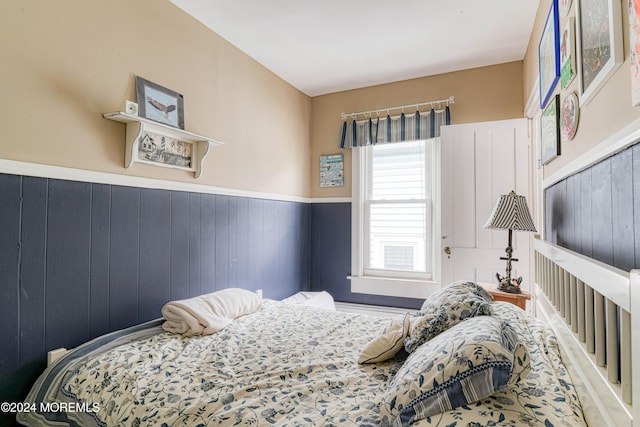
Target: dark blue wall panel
[
  {"x": 78, "y": 260},
  {"x": 622, "y": 210},
  {"x": 586, "y": 237},
  {"x": 11, "y": 371},
  {"x": 100, "y": 259},
  {"x": 232, "y": 252},
  {"x": 255, "y": 228},
  {"x": 222, "y": 271},
  {"x": 291, "y": 265},
  {"x": 154, "y": 288},
  {"x": 242, "y": 243},
  {"x": 331, "y": 249},
  {"x": 32, "y": 265},
  {"x": 635, "y": 164},
  {"x": 577, "y": 220},
  {"x": 268, "y": 257},
  {"x": 595, "y": 212},
  {"x": 601, "y": 212},
  {"x": 124, "y": 253},
  {"x": 180, "y": 267},
  {"x": 207, "y": 249},
  {"x": 68, "y": 238},
  {"x": 568, "y": 202},
  {"x": 195, "y": 239}
]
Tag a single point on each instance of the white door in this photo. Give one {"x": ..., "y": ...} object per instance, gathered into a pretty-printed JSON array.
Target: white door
[{"x": 481, "y": 161}]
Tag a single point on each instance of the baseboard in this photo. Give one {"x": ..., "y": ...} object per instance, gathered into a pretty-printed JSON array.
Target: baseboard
[{"x": 372, "y": 310}]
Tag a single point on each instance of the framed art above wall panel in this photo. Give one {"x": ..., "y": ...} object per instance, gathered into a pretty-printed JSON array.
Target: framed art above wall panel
[
  {"x": 549, "y": 55},
  {"x": 599, "y": 46},
  {"x": 550, "y": 131},
  {"x": 568, "y": 54}
]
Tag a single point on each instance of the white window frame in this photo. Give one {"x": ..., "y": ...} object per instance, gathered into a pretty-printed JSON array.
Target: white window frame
[{"x": 381, "y": 282}]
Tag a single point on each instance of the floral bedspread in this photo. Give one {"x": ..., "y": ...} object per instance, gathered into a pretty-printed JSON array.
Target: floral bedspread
[
  {"x": 284, "y": 365},
  {"x": 289, "y": 365}
]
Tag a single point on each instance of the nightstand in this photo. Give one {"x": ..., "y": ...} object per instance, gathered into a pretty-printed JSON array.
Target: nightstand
[{"x": 517, "y": 299}]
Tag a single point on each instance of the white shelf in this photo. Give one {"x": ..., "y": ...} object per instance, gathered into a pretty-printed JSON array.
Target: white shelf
[{"x": 187, "y": 152}]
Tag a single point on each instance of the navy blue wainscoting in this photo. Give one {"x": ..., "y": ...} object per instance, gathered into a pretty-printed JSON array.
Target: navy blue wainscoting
[
  {"x": 596, "y": 212},
  {"x": 78, "y": 260},
  {"x": 331, "y": 257}
]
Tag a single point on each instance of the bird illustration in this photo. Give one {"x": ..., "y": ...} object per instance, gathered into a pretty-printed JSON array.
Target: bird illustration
[{"x": 165, "y": 109}]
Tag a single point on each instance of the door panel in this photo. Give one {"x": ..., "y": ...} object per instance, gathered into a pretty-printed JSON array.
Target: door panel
[{"x": 481, "y": 161}]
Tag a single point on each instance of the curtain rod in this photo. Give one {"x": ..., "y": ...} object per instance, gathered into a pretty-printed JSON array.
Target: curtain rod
[{"x": 402, "y": 107}]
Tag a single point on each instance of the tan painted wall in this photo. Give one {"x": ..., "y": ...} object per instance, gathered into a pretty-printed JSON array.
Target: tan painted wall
[
  {"x": 64, "y": 63},
  {"x": 609, "y": 111},
  {"x": 482, "y": 94}
]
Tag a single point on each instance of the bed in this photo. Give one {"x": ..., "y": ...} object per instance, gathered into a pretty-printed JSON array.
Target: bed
[{"x": 484, "y": 364}]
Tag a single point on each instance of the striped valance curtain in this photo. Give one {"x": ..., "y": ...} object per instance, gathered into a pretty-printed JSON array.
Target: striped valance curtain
[{"x": 405, "y": 127}]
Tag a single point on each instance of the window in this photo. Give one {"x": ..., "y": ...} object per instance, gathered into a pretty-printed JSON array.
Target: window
[{"x": 393, "y": 213}]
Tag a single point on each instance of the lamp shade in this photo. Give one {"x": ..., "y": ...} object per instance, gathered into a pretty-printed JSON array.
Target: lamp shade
[{"x": 511, "y": 213}]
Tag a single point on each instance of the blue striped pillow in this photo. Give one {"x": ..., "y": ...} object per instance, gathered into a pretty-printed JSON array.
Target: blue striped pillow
[{"x": 466, "y": 363}]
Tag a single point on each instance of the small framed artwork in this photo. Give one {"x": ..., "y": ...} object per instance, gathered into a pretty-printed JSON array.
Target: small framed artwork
[
  {"x": 159, "y": 104},
  {"x": 568, "y": 54},
  {"x": 332, "y": 170},
  {"x": 569, "y": 113},
  {"x": 165, "y": 151},
  {"x": 549, "y": 55},
  {"x": 634, "y": 43},
  {"x": 550, "y": 131},
  {"x": 599, "y": 46}
]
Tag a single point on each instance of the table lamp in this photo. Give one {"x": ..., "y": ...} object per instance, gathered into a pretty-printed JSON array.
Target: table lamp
[{"x": 510, "y": 213}]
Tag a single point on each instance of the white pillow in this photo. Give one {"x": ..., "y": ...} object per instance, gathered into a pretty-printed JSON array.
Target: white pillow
[
  {"x": 387, "y": 344},
  {"x": 321, "y": 299}
]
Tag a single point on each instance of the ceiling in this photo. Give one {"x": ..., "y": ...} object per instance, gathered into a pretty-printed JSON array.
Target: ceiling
[{"x": 325, "y": 46}]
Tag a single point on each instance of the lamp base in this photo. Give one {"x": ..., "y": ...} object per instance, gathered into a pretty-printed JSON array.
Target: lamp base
[{"x": 511, "y": 286}]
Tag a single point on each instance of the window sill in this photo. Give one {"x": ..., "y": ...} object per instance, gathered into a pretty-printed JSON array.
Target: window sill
[{"x": 393, "y": 287}]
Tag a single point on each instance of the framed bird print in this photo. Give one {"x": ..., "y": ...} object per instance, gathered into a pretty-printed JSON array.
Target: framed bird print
[{"x": 159, "y": 104}]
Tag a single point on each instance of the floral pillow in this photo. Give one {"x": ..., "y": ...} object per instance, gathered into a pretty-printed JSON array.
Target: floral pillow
[
  {"x": 462, "y": 365},
  {"x": 387, "y": 344},
  {"x": 452, "y": 310},
  {"x": 452, "y": 294}
]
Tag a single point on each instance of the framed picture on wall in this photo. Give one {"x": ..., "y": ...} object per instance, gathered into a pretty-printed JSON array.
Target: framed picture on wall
[
  {"x": 568, "y": 54},
  {"x": 332, "y": 170},
  {"x": 599, "y": 46},
  {"x": 549, "y": 55},
  {"x": 634, "y": 54},
  {"x": 550, "y": 131},
  {"x": 159, "y": 104},
  {"x": 569, "y": 114}
]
